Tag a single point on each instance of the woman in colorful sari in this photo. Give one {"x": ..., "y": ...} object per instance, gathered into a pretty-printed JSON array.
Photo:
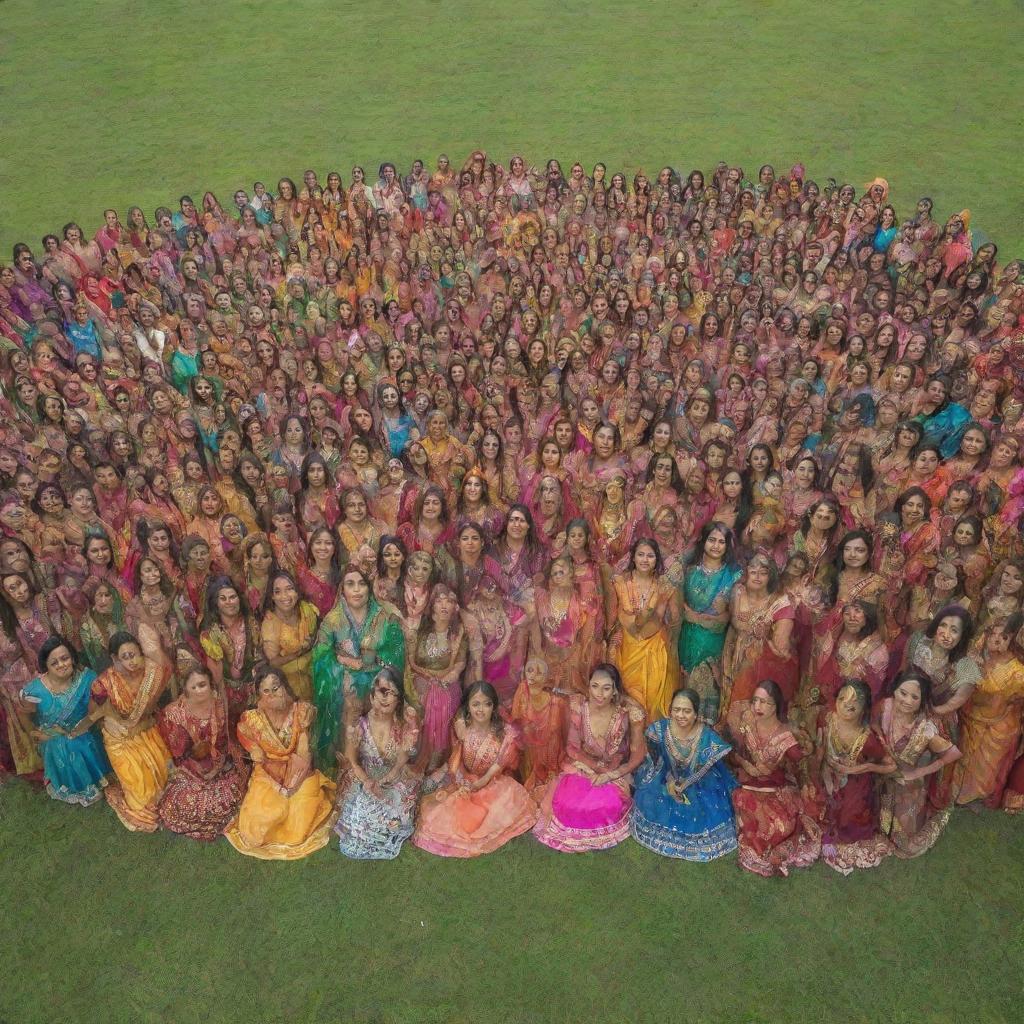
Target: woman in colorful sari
[
  {"x": 849, "y": 756},
  {"x": 643, "y": 643},
  {"x": 230, "y": 644},
  {"x": 209, "y": 776},
  {"x": 682, "y": 806},
  {"x": 563, "y": 632},
  {"x": 776, "y": 823},
  {"x": 759, "y": 642},
  {"x": 990, "y": 722},
  {"x": 378, "y": 797},
  {"x": 125, "y": 697},
  {"x": 909, "y": 816},
  {"x": 539, "y": 714},
  {"x": 74, "y": 763},
  {"x": 289, "y": 633},
  {"x": 481, "y": 806},
  {"x": 357, "y": 638},
  {"x": 437, "y": 660},
  {"x": 287, "y": 810},
  {"x": 944, "y": 422},
  {"x": 707, "y": 590},
  {"x": 586, "y": 807}
]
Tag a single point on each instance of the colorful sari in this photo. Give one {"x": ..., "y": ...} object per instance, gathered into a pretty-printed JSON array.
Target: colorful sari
[
  {"x": 908, "y": 815},
  {"x": 377, "y": 642},
  {"x": 695, "y": 823},
  {"x": 209, "y": 777},
  {"x": 540, "y": 719},
  {"x": 75, "y": 767},
  {"x": 990, "y": 730},
  {"x": 748, "y": 656},
  {"x": 285, "y": 639},
  {"x": 136, "y": 749},
  {"x": 455, "y": 822},
  {"x": 776, "y": 824},
  {"x": 374, "y": 827},
  {"x": 850, "y": 836},
  {"x": 575, "y": 815},
  {"x": 650, "y": 672},
  {"x": 288, "y": 807}
]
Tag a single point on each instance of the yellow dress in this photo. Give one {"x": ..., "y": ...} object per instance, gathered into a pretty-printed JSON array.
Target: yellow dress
[
  {"x": 140, "y": 757},
  {"x": 649, "y": 666},
  {"x": 272, "y": 825},
  {"x": 280, "y": 638}
]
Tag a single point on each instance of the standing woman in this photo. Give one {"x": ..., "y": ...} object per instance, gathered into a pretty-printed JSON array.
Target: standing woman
[
  {"x": 481, "y": 806},
  {"x": 208, "y": 778},
  {"x": 990, "y": 722},
  {"x": 356, "y": 639},
  {"x": 774, "y": 820},
  {"x": 849, "y": 755},
  {"x": 905, "y": 723},
  {"x": 378, "y": 797},
  {"x": 436, "y": 663},
  {"x": 288, "y": 806},
  {"x": 289, "y": 633},
  {"x": 682, "y": 806},
  {"x": 586, "y": 807},
  {"x": 707, "y": 591},
  {"x": 74, "y": 763},
  {"x": 643, "y": 642},
  {"x": 125, "y": 697},
  {"x": 759, "y": 644}
]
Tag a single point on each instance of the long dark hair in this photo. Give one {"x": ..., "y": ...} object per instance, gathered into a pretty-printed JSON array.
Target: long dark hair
[
  {"x": 729, "y": 558},
  {"x": 953, "y": 611}
]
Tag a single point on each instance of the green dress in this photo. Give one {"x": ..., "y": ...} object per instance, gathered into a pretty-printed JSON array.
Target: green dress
[{"x": 379, "y": 641}]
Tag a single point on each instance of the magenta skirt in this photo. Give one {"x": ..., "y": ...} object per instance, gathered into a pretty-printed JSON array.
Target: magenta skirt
[{"x": 579, "y": 816}]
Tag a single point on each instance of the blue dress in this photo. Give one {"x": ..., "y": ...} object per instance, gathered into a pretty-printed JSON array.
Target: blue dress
[
  {"x": 74, "y": 767},
  {"x": 698, "y": 825}
]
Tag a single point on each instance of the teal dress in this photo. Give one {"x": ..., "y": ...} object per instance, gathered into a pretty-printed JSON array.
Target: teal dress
[
  {"x": 696, "y": 824},
  {"x": 379, "y": 641},
  {"x": 74, "y": 767},
  {"x": 701, "y": 589}
]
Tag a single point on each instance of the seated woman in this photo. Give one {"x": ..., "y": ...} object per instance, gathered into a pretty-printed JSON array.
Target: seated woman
[
  {"x": 480, "y": 807},
  {"x": 775, "y": 823},
  {"x": 914, "y": 740},
  {"x": 74, "y": 763},
  {"x": 849, "y": 755},
  {"x": 682, "y": 806},
  {"x": 587, "y": 806},
  {"x": 378, "y": 798},
  {"x": 125, "y": 697},
  {"x": 287, "y": 811},
  {"x": 209, "y": 776}
]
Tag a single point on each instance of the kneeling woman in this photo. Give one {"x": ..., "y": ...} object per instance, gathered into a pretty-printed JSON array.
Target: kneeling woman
[
  {"x": 287, "y": 810},
  {"x": 209, "y": 776},
  {"x": 125, "y": 696},
  {"x": 378, "y": 807},
  {"x": 682, "y": 806},
  {"x": 775, "y": 823},
  {"x": 481, "y": 807},
  {"x": 587, "y": 806},
  {"x": 74, "y": 763},
  {"x": 849, "y": 756}
]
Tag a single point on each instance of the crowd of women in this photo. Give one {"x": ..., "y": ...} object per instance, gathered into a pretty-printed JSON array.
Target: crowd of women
[{"x": 487, "y": 500}]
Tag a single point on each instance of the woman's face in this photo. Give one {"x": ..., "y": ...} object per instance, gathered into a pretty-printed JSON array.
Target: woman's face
[
  {"x": 683, "y": 714},
  {"x": 97, "y": 552},
  {"x": 849, "y": 706},
  {"x": 949, "y": 632},
  {"x": 604, "y": 442},
  {"x": 17, "y": 590},
  {"x": 285, "y": 596},
  {"x": 355, "y": 507},
  {"x": 1011, "y": 582},
  {"x": 103, "y": 601},
  {"x": 210, "y": 503},
  {"x": 149, "y": 573},
  {"x": 854, "y": 619},
  {"x": 82, "y": 502},
  {"x": 420, "y": 566},
  {"x": 644, "y": 559},
  {"x": 322, "y": 548},
  {"x": 129, "y": 658},
  {"x": 432, "y": 507},
  {"x": 293, "y": 433},
  {"x": 732, "y": 485},
  {"x": 199, "y": 558},
  {"x": 384, "y": 696},
  {"x": 762, "y": 705},
  {"x": 602, "y": 689},
  {"x": 445, "y": 606},
  {"x": 926, "y": 463},
  {"x": 356, "y": 592},
  {"x": 824, "y": 517},
  {"x": 855, "y": 553},
  {"x": 470, "y": 545}
]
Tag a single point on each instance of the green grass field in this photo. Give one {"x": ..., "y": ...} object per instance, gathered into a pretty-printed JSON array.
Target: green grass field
[{"x": 112, "y": 103}]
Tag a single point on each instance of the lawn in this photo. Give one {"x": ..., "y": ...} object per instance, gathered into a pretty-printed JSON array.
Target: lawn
[{"x": 113, "y": 103}]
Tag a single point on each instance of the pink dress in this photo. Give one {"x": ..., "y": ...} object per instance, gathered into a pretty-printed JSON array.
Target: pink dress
[{"x": 575, "y": 815}]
